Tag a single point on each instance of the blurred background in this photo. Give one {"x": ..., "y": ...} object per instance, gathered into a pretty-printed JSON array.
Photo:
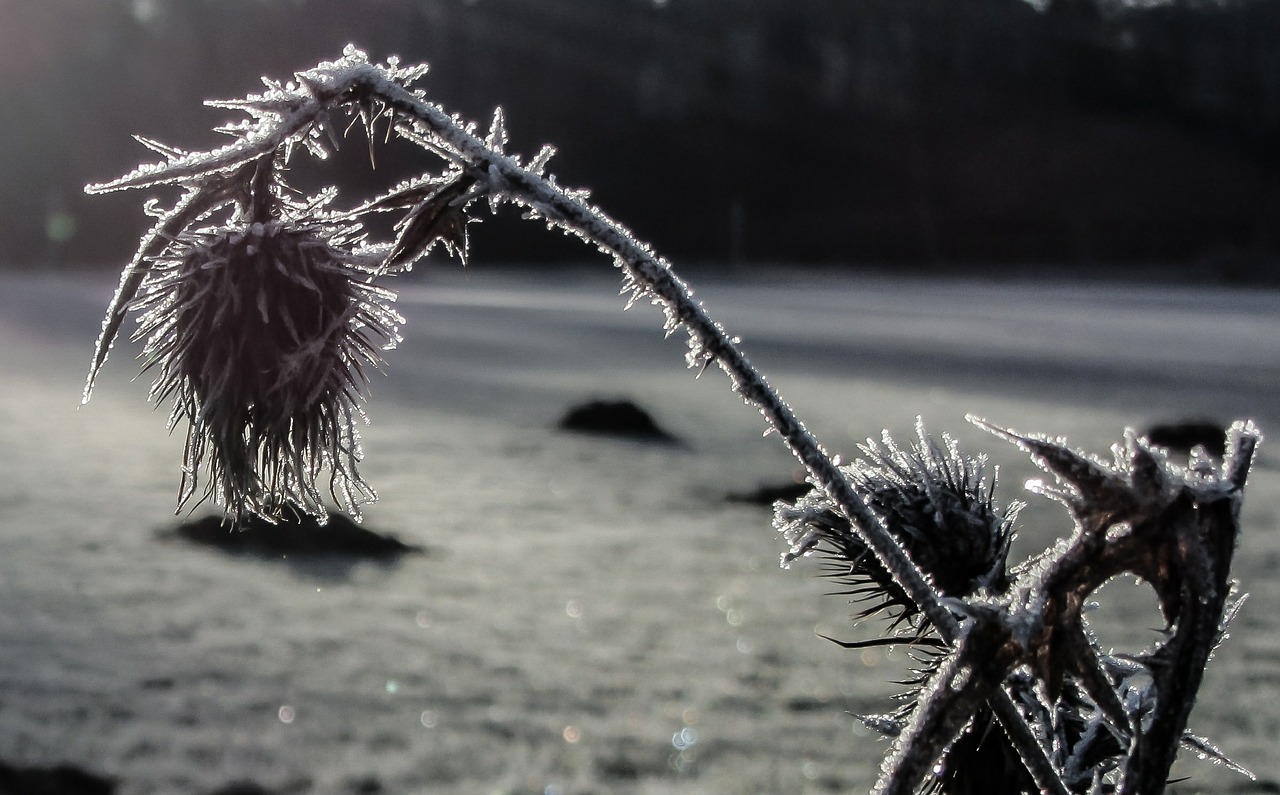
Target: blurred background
[{"x": 1100, "y": 135}]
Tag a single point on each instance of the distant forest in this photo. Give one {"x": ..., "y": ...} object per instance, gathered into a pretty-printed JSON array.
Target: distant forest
[{"x": 920, "y": 133}]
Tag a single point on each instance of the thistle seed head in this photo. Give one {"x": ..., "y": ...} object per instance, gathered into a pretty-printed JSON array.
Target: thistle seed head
[
  {"x": 260, "y": 333},
  {"x": 934, "y": 500}
]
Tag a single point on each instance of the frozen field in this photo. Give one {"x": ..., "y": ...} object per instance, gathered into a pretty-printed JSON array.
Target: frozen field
[{"x": 590, "y": 615}]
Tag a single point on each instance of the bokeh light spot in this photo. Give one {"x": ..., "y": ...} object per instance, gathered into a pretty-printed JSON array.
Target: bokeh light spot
[{"x": 60, "y": 227}]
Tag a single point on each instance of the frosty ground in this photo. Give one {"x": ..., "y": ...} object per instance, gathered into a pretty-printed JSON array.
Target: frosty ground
[{"x": 590, "y": 615}]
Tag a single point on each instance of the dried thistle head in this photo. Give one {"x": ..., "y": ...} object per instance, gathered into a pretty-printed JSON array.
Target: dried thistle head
[
  {"x": 934, "y": 500},
  {"x": 258, "y": 308},
  {"x": 261, "y": 332},
  {"x": 938, "y": 505}
]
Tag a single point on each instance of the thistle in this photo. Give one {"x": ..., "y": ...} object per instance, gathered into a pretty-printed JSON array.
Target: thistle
[
  {"x": 935, "y": 502},
  {"x": 259, "y": 325},
  {"x": 258, "y": 313},
  {"x": 260, "y": 334}
]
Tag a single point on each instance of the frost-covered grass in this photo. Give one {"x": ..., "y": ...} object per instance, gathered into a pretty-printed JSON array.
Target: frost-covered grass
[{"x": 573, "y": 582}]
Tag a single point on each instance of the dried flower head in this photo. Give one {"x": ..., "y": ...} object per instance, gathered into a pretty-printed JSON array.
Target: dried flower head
[
  {"x": 260, "y": 333},
  {"x": 936, "y": 503}
]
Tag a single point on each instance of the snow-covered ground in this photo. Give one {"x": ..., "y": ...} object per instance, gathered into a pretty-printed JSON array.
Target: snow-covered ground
[{"x": 590, "y": 615}]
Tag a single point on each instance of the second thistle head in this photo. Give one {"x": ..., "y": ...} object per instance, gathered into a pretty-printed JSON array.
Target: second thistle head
[
  {"x": 933, "y": 499},
  {"x": 260, "y": 332}
]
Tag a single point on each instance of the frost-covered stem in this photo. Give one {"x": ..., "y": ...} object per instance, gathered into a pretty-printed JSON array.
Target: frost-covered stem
[
  {"x": 505, "y": 178},
  {"x": 190, "y": 207},
  {"x": 962, "y": 683},
  {"x": 524, "y": 187},
  {"x": 1033, "y": 755},
  {"x": 646, "y": 268}
]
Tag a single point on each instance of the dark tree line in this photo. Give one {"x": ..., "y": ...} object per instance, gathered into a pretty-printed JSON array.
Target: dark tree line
[{"x": 913, "y": 131}]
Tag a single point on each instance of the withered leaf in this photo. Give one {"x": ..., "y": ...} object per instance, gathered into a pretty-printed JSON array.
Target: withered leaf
[{"x": 441, "y": 216}]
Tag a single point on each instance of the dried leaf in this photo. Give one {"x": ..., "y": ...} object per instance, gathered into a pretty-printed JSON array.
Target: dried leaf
[{"x": 439, "y": 218}]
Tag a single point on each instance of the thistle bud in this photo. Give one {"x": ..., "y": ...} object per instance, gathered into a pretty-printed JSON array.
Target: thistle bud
[
  {"x": 934, "y": 500},
  {"x": 260, "y": 333}
]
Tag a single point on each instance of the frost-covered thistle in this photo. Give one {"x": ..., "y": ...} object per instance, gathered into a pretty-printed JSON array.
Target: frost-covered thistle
[
  {"x": 260, "y": 334},
  {"x": 258, "y": 312},
  {"x": 937, "y": 502},
  {"x": 933, "y": 499}
]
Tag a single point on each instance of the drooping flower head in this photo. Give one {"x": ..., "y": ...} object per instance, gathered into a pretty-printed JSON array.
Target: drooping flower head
[
  {"x": 257, "y": 308},
  {"x": 260, "y": 333}
]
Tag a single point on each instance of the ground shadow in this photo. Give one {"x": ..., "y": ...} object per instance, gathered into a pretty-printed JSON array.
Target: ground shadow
[{"x": 329, "y": 551}]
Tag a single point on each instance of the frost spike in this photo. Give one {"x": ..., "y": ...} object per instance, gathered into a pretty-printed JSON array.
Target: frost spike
[
  {"x": 497, "y": 137},
  {"x": 250, "y": 145},
  {"x": 539, "y": 162},
  {"x": 407, "y": 194},
  {"x": 170, "y": 152},
  {"x": 1099, "y": 485},
  {"x": 1202, "y": 745},
  {"x": 1242, "y": 439},
  {"x": 193, "y": 205},
  {"x": 1148, "y": 477}
]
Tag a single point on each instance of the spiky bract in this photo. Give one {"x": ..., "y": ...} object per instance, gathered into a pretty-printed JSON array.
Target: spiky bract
[{"x": 261, "y": 333}]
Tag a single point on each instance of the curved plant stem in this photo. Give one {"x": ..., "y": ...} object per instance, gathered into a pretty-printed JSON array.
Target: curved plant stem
[
  {"x": 711, "y": 342},
  {"x": 557, "y": 205},
  {"x": 300, "y": 112}
]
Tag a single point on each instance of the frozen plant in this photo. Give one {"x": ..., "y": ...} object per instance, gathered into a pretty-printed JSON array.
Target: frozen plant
[
  {"x": 1109, "y": 723},
  {"x": 259, "y": 307}
]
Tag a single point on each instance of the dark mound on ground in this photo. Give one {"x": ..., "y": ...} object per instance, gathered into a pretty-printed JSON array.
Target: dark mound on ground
[
  {"x": 621, "y": 418},
  {"x": 242, "y": 788},
  {"x": 766, "y": 494},
  {"x": 1182, "y": 436},
  {"x": 304, "y": 536},
  {"x": 59, "y": 780},
  {"x": 295, "y": 786}
]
